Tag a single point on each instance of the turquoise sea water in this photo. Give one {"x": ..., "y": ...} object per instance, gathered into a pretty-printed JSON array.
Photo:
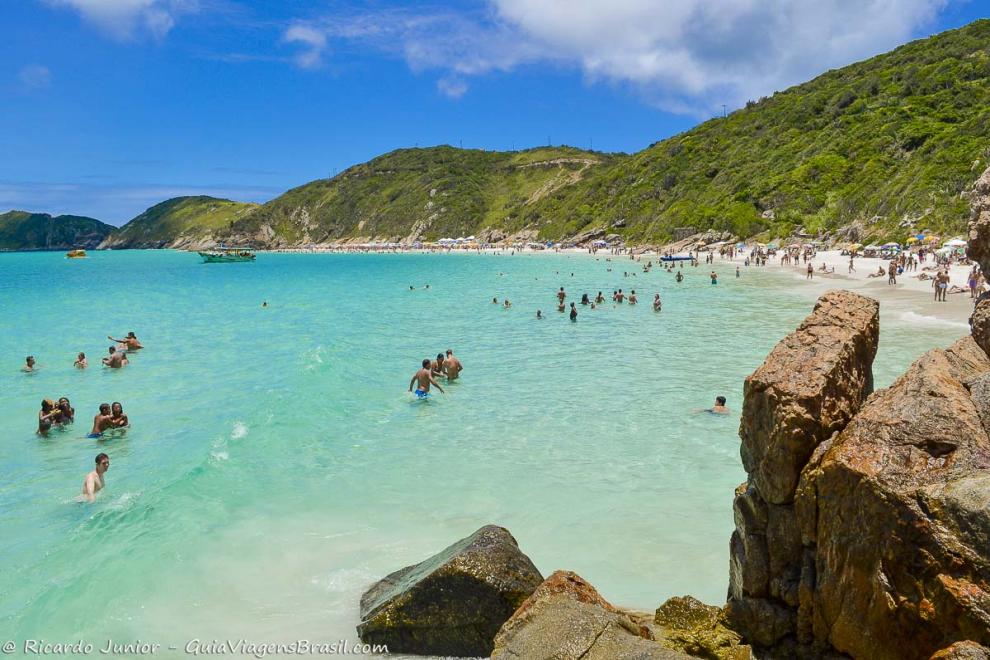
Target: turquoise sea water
[{"x": 277, "y": 466}]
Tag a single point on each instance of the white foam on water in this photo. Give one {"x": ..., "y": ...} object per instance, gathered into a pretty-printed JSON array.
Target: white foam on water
[
  {"x": 344, "y": 580},
  {"x": 239, "y": 431},
  {"x": 921, "y": 319},
  {"x": 220, "y": 455}
]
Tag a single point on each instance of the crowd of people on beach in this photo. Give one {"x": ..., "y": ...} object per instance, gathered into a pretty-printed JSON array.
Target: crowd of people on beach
[{"x": 60, "y": 414}]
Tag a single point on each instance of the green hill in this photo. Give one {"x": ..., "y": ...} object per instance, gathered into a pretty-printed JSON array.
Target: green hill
[
  {"x": 20, "y": 230},
  {"x": 419, "y": 194},
  {"x": 179, "y": 222},
  {"x": 890, "y": 142},
  {"x": 886, "y": 145}
]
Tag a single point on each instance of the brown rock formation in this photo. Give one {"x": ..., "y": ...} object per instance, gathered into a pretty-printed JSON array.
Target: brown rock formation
[
  {"x": 810, "y": 386},
  {"x": 699, "y": 630},
  {"x": 979, "y": 222},
  {"x": 566, "y": 618},
  {"x": 864, "y": 528}
]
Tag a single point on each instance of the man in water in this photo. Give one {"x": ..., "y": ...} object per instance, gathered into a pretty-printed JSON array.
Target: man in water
[
  {"x": 93, "y": 483},
  {"x": 656, "y": 303},
  {"x": 680, "y": 277},
  {"x": 48, "y": 415},
  {"x": 101, "y": 422},
  {"x": 436, "y": 366},
  {"x": 573, "y": 312},
  {"x": 719, "y": 408},
  {"x": 539, "y": 314},
  {"x": 452, "y": 366},
  {"x": 118, "y": 417},
  {"x": 81, "y": 361},
  {"x": 714, "y": 278},
  {"x": 130, "y": 342},
  {"x": 116, "y": 359},
  {"x": 423, "y": 379},
  {"x": 561, "y": 295},
  {"x": 632, "y": 297},
  {"x": 28, "y": 364}
]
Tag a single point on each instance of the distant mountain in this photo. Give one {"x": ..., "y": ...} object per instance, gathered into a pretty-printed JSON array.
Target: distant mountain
[
  {"x": 876, "y": 150},
  {"x": 20, "y": 230},
  {"x": 413, "y": 194},
  {"x": 181, "y": 222},
  {"x": 882, "y": 148}
]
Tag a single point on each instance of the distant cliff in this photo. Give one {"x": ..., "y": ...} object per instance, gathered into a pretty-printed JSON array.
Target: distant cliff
[{"x": 20, "y": 230}]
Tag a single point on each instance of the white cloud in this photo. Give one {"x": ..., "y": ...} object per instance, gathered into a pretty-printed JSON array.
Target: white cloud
[
  {"x": 314, "y": 42},
  {"x": 35, "y": 76},
  {"x": 454, "y": 88},
  {"x": 124, "y": 19},
  {"x": 684, "y": 55}
]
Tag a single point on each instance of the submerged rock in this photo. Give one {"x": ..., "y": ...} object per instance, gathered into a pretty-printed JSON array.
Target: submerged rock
[
  {"x": 453, "y": 603},
  {"x": 566, "y": 618}
]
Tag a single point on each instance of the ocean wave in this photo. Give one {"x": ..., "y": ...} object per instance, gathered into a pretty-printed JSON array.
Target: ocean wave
[
  {"x": 921, "y": 319},
  {"x": 239, "y": 431}
]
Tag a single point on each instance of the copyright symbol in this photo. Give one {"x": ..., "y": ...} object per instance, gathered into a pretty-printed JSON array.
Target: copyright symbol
[{"x": 9, "y": 647}]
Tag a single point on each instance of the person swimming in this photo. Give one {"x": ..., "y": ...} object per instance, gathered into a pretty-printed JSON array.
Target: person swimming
[
  {"x": 423, "y": 379},
  {"x": 539, "y": 314},
  {"x": 101, "y": 422},
  {"x": 29, "y": 364},
  {"x": 719, "y": 408},
  {"x": 94, "y": 482}
]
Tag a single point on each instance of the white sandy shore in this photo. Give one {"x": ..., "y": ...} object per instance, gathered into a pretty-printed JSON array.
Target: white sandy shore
[{"x": 909, "y": 295}]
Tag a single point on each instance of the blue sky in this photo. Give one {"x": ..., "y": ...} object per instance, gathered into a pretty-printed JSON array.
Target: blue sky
[{"x": 110, "y": 106}]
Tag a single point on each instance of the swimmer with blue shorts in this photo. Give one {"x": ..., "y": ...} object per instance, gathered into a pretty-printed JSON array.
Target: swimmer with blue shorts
[
  {"x": 102, "y": 422},
  {"x": 423, "y": 379}
]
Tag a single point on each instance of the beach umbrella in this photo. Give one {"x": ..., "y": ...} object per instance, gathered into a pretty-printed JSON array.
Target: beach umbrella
[
  {"x": 931, "y": 239},
  {"x": 956, "y": 242},
  {"x": 920, "y": 237},
  {"x": 913, "y": 239}
]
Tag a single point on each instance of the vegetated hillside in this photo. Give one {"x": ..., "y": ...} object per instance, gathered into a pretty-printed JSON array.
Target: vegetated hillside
[
  {"x": 179, "y": 222},
  {"x": 423, "y": 193},
  {"x": 890, "y": 142},
  {"x": 20, "y": 230}
]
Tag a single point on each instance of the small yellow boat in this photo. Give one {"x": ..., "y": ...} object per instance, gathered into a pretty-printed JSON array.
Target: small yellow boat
[{"x": 76, "y": 254}]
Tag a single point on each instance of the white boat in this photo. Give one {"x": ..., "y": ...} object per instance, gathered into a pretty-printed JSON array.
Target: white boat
[{"x": 223, "y": 254}]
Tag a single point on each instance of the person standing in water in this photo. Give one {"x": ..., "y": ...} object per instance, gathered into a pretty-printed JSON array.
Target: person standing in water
[
  {"x": 452, "y": 366},
  {"x": 118, "y": 417},
  {"x": 632, "y": 297},
  {"x": 81, "y": 361},
  {"x": 29, "y": 364},
  {"x": 573, "y": 312},
  {"x": 714, "y": 278},
  {"x": 94, "y": 483},
  {"x": 423, "y": 379},
  {"x": 656, "y": 302},
  {"x": 116, "y": 359},
  {"x": 101, "y": 422},
  {"x": 561, "y": 295},
  {"x": 437, "y": 365}
]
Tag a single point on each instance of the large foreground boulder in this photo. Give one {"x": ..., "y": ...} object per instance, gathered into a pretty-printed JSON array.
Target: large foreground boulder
[
  {"x": 453, "y": 603},
  {"x": 566, "y": 619}
]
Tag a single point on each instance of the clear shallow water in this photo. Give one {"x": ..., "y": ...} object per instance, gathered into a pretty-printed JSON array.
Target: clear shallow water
[{"x": 277, "y": 466}]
